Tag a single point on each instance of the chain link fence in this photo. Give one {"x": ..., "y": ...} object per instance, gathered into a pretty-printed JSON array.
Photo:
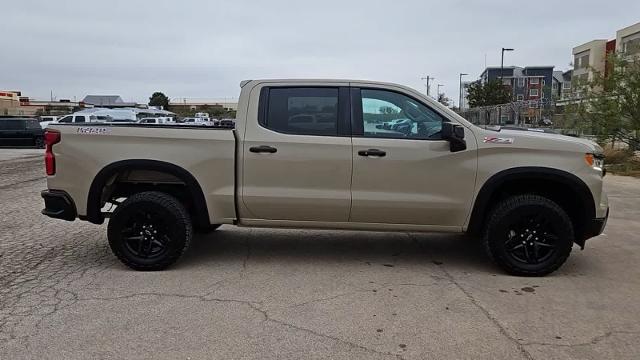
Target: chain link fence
[{"x": 526, "y": 113}]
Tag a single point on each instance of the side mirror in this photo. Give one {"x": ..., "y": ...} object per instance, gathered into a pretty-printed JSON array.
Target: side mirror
[{"x": 454, "y": 134}]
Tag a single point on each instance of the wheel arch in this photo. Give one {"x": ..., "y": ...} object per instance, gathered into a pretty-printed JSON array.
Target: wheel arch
[
  {"x": 566, "y": 189},
  {"x": 200, "y": 213}
]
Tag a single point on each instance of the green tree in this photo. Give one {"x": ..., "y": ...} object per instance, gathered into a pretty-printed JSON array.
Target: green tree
[
  {"x": 444, "y": 100},
  {"x": 490, "y": 93},
  {"x": 159, "y": 99},
  {"x": 608, "y": 103}
]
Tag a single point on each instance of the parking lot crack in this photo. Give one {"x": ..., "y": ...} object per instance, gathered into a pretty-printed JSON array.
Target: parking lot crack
[
  {"x": 334, "y": 338},
  {"x": 254, "y": 307},
  {"x": 326, "y": 298},
  {"x": 595, "y": 340}
]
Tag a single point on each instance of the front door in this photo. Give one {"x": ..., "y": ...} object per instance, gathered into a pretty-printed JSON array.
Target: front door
[
  {"x": 403, "y": 171},
  {"x": 297, "y": 156}
]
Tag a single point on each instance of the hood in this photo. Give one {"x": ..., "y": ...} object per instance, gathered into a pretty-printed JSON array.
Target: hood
[{"x": 586, "y": 144}]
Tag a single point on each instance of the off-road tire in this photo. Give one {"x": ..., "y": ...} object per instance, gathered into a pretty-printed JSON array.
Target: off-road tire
[
  {"x": 515, "y": 210},
  {"x": 165, "y": 210}
]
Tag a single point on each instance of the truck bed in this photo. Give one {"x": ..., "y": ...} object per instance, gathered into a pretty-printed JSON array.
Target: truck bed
[{"x": 205, "y": 152}]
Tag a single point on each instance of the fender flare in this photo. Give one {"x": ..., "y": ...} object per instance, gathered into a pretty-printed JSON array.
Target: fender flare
[
  {"x": 94, "y": 215},
  {"x": 492, "y": 186}
]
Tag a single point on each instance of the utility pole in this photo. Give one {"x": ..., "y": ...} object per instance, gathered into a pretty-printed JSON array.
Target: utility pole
[{"x": 428, "y": 78}]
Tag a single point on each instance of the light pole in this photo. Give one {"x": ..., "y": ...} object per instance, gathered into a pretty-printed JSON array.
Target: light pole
[
  {"x": 460, "y": 92},
  {"x": 501, "y": 84}
]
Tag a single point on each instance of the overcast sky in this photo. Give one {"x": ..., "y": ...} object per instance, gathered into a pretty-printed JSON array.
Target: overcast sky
[{"x": 200, "y": 48}]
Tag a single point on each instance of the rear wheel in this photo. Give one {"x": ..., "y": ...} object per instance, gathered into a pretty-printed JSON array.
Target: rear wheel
[
  {"x": 149, "y": 231},
  {"x": 528, "y": 235}
]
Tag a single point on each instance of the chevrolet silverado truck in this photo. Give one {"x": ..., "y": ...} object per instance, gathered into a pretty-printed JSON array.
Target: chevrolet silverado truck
[{"x": 317, "y": 154}]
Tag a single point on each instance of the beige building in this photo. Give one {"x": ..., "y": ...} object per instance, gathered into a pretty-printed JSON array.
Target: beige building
[
  {"x": 588, "y": 56},
  {"x": 628, "y": 40},
  {"x": 10, "y": 103},
  {"x": 592, "y": 56}
]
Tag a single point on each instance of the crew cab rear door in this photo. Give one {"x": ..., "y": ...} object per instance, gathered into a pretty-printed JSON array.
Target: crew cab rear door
[
  {"x": 297, "y": 156},
  {"x": 403, "y": 171}
]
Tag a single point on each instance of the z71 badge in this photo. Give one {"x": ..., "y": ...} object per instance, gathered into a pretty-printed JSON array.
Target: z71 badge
[
  {"x": 94, "y": 130},
  {"x": 497, "y": 140}
]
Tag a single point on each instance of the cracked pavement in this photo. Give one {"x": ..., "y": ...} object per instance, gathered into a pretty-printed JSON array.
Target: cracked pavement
[{"x": 280, "y": 294}]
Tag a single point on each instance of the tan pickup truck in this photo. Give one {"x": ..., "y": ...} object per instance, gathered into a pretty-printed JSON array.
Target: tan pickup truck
[{"x": 331, "y": 154}]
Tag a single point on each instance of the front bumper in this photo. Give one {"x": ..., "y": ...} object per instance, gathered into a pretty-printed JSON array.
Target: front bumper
[
  {"x": 596, "y": 226},
  {"x": 59, "y": 205}
]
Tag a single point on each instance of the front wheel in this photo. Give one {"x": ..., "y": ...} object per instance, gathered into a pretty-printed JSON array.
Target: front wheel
[
  {"x": 528, "y": 235},
  {"x": 149, "y": 231}
]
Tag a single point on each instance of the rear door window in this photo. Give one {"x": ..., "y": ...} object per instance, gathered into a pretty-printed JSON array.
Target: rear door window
[
  {"x": 302, "y": 111},
  {"x": 80, "y": 119}
]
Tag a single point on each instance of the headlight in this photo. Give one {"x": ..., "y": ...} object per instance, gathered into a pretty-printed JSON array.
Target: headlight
[{"x": 596, "y": 161}]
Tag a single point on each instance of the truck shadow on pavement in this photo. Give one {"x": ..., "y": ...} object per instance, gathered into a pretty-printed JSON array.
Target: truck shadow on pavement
[{"x": 327, "y": 248}]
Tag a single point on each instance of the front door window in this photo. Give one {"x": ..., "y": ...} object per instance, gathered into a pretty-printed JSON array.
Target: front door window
[{"x": 392, "y": 115}]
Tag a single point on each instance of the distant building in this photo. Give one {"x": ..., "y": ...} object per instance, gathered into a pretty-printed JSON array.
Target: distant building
[
  {"x": 588, "y": 57},
  {"x": 524, "y": 83},
  {"x": 627, "y": 40},
  {"x": 10, "y": 103},
  {"x": 592, "y": 56},
  {"x": 32, "y": 107},
  {"x": 192, "y": 104},
  {"x": 107, "y": 101}
]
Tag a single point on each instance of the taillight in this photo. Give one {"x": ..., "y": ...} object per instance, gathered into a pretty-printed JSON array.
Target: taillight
[{"x": 51, "y": 137}]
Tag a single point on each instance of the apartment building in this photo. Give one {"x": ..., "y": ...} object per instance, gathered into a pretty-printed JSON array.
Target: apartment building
[
  {"x": 524, "y": 83},
  {"x": 588, "y": 57},
  {"x": 628, "y": 40},
  {"x": 592, "y": 56}
]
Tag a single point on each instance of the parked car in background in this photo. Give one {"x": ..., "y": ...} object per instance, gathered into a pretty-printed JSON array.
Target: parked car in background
[
  {"x": 84, "y": 117},
  {"x": 202, "y": 115},
  {"x": 302, "y": 155},
  {"x": 198, "y": 121},
  {"x": 46, "y": 120},
  {"x": 390, "y": 125},
  {"x": 156, "y": 120},
  {"x": 21, "y": 132},
  {"x": 228, "y": 123}
]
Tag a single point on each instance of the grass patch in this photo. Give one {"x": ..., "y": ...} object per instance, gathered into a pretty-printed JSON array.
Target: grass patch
[{"x": 622, "y": 162}]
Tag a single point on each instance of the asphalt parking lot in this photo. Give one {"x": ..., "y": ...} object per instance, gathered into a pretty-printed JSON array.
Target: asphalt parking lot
[{"x": 284, "y": 294}]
